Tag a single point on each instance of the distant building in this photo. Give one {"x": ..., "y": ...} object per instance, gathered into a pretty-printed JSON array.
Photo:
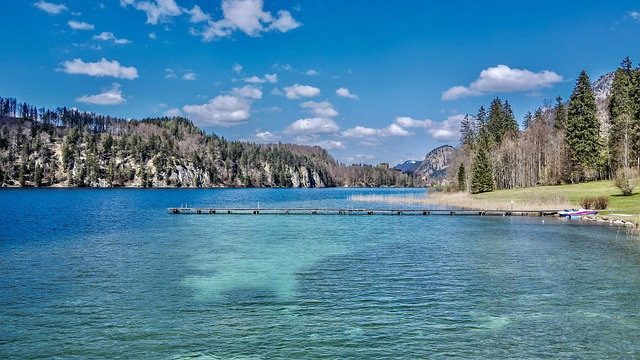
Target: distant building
[{"x": 384, "y": 166}]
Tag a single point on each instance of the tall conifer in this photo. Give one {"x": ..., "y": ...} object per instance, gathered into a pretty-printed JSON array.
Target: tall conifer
[{"x": 583, "y": 129}]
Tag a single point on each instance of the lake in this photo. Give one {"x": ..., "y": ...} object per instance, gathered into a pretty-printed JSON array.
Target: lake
[{"x": 108, "y": 274}]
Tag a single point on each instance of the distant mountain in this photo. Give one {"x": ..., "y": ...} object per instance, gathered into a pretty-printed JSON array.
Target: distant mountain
[
  {"x": 407, "y": 166},
  {"x": 435, "y": 164}
]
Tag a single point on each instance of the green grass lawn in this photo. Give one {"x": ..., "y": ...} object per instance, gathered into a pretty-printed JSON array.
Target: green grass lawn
[{"x": 618, "y": 204}]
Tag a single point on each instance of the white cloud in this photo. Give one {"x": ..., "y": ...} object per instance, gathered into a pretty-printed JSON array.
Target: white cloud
[
  {"x": 504, "y": 79},
  {"x": 407, "y": 122},
  {"x": 248, "y": 91},
  {"x": 157, "y": 11},
  {"x": 249, "y": 17},
  {"x": 79, "y": 25},
  {"x": 100, "y": 69},
  {"x": 272, "y": 78},
  {"x": 52, "y": 9},
  {"x": 297, "y": 91},
  {"x": 320, "y": 109},
  {"x": 237, "y": 68},
  {"x": 284, "y": 22},
  {"x": 170, "y": 74},
  {"x": 175, "y": 112},
  {"x": 254, "y": 80},
  {"x": 108, "y": 36},
  {"x": 312, "y": 126},
  {"x": 458, "y": 92},
  {"x": 316, "y": 140},
  {"x": 311, "y": 72},
  {"x": 364, "y": 132},
  {"x": 344, "y": 92},
  {"x": 153, "y": 36},
  {"x": 265, "y": 137},
  {"x": 111, "y": 96},
  {"x": 635, "y": 15},
  {"x": 358, "y": 158},
  {"x": 189, "y": 76},
  {"x": 197, "y": 15},
  {"x": 223, "y": 110},
  {"x": 447, "y": 130}
]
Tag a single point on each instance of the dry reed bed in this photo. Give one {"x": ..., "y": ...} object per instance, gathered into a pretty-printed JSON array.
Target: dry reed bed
[{"x": 466, "y": 201}]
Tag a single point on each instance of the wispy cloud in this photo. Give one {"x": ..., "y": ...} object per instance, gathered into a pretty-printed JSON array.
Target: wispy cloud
[
  {"x": 108, "y": 36},
  {"x": 157, "y": 11},
  {"x": 312, "y": 126},
  {"x": 50, "y": 8},
  {"x": 248, "y": 91},
  {"x": 502, "y": 79},
  {"x": 322, "y": 109},
  {"x": 297, "y": 91},
  {"x": 344, "y": 92},
  {"x": 247, "y": 16},
  {"x": 223, "y": 110},
  {"x": 112, "y": 96},
  {"x": 634, "y": 15},
  {"x": 190, "y": 76},
  {"x": 79, "y": 25},
  {"x": 445, "y": 131},
  {"x": 100, "y": 69}
]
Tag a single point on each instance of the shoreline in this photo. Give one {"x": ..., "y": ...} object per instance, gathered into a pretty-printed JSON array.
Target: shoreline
[{"x": 469, "y": 202}]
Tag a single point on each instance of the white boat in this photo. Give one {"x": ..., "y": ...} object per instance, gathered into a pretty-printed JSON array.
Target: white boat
[{"x": 574, "y": 213}]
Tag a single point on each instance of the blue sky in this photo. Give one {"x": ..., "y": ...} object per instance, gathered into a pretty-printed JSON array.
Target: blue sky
[{"x": 371, "y": 81}]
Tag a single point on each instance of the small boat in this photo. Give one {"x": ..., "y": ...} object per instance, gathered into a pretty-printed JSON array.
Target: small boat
[{"x": 574, "y": 213}]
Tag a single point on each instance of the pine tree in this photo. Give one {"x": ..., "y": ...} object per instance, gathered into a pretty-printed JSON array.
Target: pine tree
[
  {"x": 496, "y": 121},
  {"x": 510, "y": 123},
  {"x": 467, "y": 133},
  {"x": 528, "y": 120},
  {"x": 482, "y": 175},
  {"x": 583, "y": 129},
  {"x": 560, "y": 120},
  {"x": 621, "y": 111},
  {"x": 462, "y": 178}
]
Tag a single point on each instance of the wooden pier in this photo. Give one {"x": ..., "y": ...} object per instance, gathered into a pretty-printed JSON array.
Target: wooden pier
[{"x": 396, "y": 212}]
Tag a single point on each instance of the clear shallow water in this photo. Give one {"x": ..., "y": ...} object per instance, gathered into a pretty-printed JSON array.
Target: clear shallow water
[{"x": 111, "y": 274}]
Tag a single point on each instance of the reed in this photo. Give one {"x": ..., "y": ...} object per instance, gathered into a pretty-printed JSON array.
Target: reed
[{"x": 552, "y": 201}]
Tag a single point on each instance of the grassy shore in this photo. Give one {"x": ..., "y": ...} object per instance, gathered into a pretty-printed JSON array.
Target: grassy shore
[{"x": 625, "y": 208}]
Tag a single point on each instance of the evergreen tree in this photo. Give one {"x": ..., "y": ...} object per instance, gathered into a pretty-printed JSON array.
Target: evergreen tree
[
  {"x": 496, "y": 121},
  {"x": 528, "y": 120},
  {"x": 582, "y": 134},
  {"x": 621, "y": 111},
  {"x": 560, "y": 120},
  {"x": 462, "y": 178},
  {"x": 467, "y": 133},
  {"x": 482, "y": 174},
  {"x": 510, "y": 122}
]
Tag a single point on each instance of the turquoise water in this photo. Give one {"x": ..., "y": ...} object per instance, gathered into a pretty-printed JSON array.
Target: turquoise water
[{"x": 111, "y": 274}]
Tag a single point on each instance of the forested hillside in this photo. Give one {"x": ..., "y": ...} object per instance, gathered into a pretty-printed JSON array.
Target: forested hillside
[
  {"x": 66, "y": 147},
  {"x": 594, "y": 135}
]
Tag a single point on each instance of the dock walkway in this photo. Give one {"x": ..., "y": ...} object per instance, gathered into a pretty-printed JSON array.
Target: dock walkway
[{"x": 305, "y": 211}]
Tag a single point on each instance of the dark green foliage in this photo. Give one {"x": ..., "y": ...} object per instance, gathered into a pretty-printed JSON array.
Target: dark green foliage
[
  {"x": 482, "y": 174},
  {"x": 560, "y": 120},
  {"x": 501, "y": 121},
  {"x": 583, "y": 129},
  {"x": 467, "y": 132},
  {"x": 462, "y": 178}
]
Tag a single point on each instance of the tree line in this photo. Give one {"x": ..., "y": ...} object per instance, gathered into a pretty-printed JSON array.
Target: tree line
[
  {"x": 562, "y": 142},
  {"x": 66, "y": 147}
]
